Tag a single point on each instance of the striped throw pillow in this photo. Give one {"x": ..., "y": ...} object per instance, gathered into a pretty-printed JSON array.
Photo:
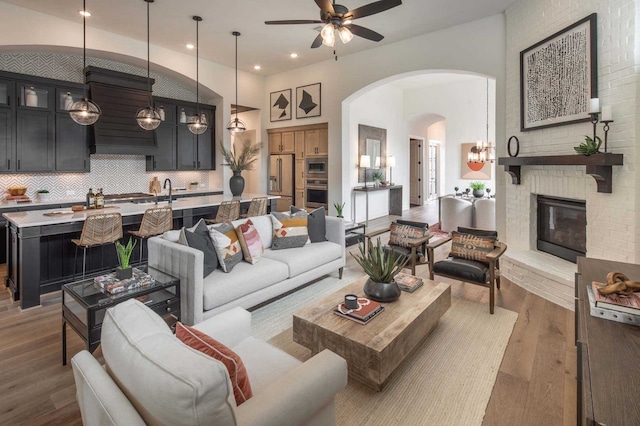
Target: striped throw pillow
[
  {"x": 289, "y": 230},
  {"x": 250, "y": 242},
  {"x": 471, "y": 247}
]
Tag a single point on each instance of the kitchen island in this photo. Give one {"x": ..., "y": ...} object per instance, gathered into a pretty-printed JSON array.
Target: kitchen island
[{"x": 40, "y": 254}]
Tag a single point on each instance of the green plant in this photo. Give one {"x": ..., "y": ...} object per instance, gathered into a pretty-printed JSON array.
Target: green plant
[
  {"x": 243, "y": 160},
  {"x": 477, "y": 186},
  {"x": 339, "y": 208},
  {"x": 377, "y": 176},
  {"x": 43, "y": 191},
  {"x": 589, "y": 146},
  {"x": 379, "y": 263},
  {"x": 124, "y": 252}
]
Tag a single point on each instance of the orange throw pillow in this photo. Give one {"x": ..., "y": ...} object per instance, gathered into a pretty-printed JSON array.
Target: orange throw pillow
[{"x": 209, "y": 346}]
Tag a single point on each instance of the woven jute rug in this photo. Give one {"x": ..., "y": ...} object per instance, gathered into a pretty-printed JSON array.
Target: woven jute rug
[{"x": 446, "y": 381}]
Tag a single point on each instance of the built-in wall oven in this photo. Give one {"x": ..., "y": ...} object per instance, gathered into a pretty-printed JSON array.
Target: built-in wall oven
[{"x": 317, "y": 193}]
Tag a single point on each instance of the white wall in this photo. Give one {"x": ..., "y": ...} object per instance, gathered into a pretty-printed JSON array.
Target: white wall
[
  {"x": 477, "y": 47},
  {"x": 438, "y": 132}
]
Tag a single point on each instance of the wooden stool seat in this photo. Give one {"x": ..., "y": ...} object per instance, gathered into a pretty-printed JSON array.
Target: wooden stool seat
[
  {"x": 155, "y": 221},
  {"x": 228, "y": 211},
  {"x": 98, "y": 229},
  {"x": 257, "y": 207}
]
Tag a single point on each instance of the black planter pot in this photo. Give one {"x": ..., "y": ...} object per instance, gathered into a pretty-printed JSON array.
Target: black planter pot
[
  {"x": 123, "y": 274},
  {"x": 478, "y": 193},
  {"x": 236, "y": 184},
  {"x": 381, "y": 292}
]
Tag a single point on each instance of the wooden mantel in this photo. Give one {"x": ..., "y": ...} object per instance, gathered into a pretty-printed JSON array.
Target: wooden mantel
[{"x": 598, "y": 166}]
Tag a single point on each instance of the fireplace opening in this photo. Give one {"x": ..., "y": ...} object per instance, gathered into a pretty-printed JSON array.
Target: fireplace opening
[{"x": 562, "y": 227}]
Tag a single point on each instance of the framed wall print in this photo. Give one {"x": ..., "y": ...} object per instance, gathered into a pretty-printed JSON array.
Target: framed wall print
[
  {"x": 558, "y": 77},
  {"x": 281, "y": 105},
  {"x": 308, "y": 101},
  {"x": 470, "y": 169}
]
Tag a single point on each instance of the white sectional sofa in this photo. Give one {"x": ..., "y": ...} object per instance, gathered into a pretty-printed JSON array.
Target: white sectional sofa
[{"x": 247, "y": 285}]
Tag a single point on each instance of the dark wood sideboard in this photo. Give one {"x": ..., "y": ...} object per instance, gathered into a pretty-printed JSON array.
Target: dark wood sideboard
[{"x": 608, "y": 354}]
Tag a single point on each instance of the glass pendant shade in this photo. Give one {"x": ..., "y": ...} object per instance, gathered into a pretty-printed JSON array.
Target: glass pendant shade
[
  {"x": 148, "y": 118},
  {"x": 197, "y": 124},
  {"x": 345, "y": 35},
  {"x": 328, "y": 31},
  {"x": 85, "y": 112},
  {"x": 236, "y": 127}
]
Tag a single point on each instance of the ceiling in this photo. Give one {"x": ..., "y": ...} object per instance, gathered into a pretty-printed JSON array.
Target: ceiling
[{"x": 266, "y": 45}]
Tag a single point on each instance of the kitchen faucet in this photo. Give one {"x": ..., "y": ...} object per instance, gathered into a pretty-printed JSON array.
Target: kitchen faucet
[{"x": 165, "y": 187}]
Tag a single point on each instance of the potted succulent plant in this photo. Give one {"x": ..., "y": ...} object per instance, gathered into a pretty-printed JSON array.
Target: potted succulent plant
[
  {"x": 339, "y": 208},
  {"x": 193, "y": 186},
  {"x": 589, "y": 146},
  {"x": 239, "y": 161},
  {"x": 377, "y": 178},
  {"x": 381, "y": 265},
  {"x": 125, "y": 270},
  {"x": 478, "y": 189},
  {"x": 43, "y": 194}
]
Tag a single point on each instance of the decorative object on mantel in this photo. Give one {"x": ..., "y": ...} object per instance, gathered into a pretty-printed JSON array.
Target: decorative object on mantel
[
  {"x": 381, "y": 266},
  {"x": 589, "y": 146},
  {"x": 84, "y": 112},
  {"x": 566, "y": 59},
  {"x": 478, "y": 189},
  {"x": 148, "y": 118},
  {"x": 124, "y": 271},
  {"x": 239, "y": 161},
  {"x": 236, "y": 126},
  {"x": 598, "y": 166},
  {"x": 607, "y": 117},
  {"x": 511, "y": 154}
]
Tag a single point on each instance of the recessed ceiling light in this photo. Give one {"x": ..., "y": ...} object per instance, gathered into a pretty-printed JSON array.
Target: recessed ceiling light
[
  {"x": 294, "y": 55},
  {"x": 190, "y": 46},
  {"x": 257, "y": 67},
  {"x": 84, "y": 13}
]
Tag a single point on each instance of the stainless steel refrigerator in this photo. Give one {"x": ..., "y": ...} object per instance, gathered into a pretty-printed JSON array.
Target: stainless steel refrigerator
[{"x": 281, "y": 180}]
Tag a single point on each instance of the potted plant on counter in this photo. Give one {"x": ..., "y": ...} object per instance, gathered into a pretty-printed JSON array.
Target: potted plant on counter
[
  {"x": 125, "y": 270},
  {"x": 239, "y": 161},
  {"x": 43, "y": 194},
  {"x": 478, "y": 189},
  {"x": 381, "y": 265}
]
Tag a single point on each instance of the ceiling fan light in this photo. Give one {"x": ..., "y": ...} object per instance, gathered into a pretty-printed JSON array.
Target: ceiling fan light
[
  {"x": 328, "y": 31},
  {"x": 236, "y": 127},
  {"x": 329, "y": 41},
  {"x": 84, "y": 112},
  {"x": 345, "y": 34},
  {"x": 148, "y": 118}
]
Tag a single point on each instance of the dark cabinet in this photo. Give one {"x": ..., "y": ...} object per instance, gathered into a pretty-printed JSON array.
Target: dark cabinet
[
  {"x": 34, "y": 141},
  {"x": 71, "y": 148},
  {"x": 7, "y": 95},
  {"x": 205, "y": 151},
  {"x": 6, "y": 138},
  {"x": 165, "y": 159},
  {"x": 186, "y": 148}
]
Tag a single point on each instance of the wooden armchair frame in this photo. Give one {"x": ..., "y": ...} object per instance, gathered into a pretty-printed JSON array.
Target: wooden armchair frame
[{"x": 414, "y": 245}]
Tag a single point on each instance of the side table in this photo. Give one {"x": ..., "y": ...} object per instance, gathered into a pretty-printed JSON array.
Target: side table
[
  {"x": 354, "y": 233},
  {"x": 84, "y": 305}
]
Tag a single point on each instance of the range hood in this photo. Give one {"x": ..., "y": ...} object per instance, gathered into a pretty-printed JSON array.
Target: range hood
[{"x": 120, "y": 96}]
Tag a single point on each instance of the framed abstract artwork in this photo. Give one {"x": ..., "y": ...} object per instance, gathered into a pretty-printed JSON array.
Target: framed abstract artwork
[
  {"x": 280, "y": 105},
  {"x": 308, "y": 101},
  {"x": 558, "y": 77},
  {"x": 470, "y": 169}
]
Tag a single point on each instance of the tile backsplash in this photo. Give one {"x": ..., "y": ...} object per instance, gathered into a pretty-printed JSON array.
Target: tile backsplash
[{"x": 116, "y": 174}]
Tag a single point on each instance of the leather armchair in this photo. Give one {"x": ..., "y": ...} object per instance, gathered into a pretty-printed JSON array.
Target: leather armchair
[
  {"x": 486, "y": 274},
  {"x": 414, "y": 248}
]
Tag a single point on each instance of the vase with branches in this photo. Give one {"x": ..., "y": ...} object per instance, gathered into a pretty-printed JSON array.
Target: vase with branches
[{"x": 239, "y": 160}]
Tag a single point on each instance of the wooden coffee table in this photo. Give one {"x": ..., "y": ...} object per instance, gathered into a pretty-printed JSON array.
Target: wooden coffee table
[{"x": 373, "y": 351}]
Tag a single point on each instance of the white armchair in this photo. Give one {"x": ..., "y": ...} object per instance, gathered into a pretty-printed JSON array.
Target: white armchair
[
  {"x": 454, "y": 213},
  {"x": 485, "y": 214},
  {"x": 152, "y": 377}
]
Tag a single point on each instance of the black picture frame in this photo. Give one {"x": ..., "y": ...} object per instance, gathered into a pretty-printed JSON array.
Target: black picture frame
[
  {"x": 571, "y": 52},
  {"x": 280, "y": 105},
  {"x": 309, "y": 100}
]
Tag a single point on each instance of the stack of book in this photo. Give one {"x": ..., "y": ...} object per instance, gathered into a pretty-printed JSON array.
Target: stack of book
[
  {"x": 614, "y": 307},
  {"x": 367, "y": 310},
  {"x": 113, "y": 285},
  {"x": 407, "y": 282}
]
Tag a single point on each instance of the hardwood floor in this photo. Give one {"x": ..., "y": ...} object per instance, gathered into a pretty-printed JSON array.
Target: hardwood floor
[{"x": 535, "y": 384}]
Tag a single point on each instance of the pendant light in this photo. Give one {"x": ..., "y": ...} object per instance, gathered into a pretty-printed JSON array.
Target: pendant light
[
  {"x": 197, "y": 123},
  {"x": 84, "y": 112},
  {"x": 148, "y": 118},
  {"x": 236, "y": 127}
]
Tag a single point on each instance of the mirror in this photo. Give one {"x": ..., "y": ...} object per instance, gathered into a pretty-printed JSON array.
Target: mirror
[{"x": 372, "y": 141}]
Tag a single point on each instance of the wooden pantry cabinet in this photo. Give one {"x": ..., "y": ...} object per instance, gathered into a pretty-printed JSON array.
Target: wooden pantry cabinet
[{"x": 282, "y": 143}]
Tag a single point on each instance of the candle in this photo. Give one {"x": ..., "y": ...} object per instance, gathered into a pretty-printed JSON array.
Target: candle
[
  {"x": 606, "y": 113},
  {"x": 594, "y": 105}
]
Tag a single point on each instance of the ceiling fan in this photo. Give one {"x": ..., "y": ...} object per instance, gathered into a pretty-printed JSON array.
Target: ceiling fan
[{"x": 337, "y": 18}]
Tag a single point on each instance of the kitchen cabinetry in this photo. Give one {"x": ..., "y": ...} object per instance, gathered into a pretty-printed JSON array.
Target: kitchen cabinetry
[
  {"x": 299, "y": 145},
  {"x": 35, "y": 140},
  {"x": 299, "y": 201},
  {"x": 71, "y": 139},
  {"x": 282, "y": 143},
  {"x": 6, "y": 138},
  {"x": 316, "y": 143},
  {"x": 299, "y": 174}
]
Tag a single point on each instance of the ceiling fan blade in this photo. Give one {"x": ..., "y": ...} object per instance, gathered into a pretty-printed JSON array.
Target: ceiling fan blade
[
  {"x": 365, "y": 32},
  {"x": 326, "y": 7},
  {"x": 317, "y": 42},
  {"x": 294, "y": 21},
  {"x": 373, "y": 8}
]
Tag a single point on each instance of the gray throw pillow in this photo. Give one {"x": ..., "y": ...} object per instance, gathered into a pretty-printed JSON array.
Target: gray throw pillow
[
  {"x": 317, "y": 224},
  {"x": 199, "y": 239}
]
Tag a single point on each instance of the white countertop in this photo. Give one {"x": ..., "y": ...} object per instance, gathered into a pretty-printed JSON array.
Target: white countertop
[
  {"x": 77, "y": 200},
  {"x": 37, "y": 218}
]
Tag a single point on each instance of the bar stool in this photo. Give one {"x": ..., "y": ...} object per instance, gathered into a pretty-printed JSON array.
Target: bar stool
[
  {"x": 98, "y": 229},
  {"x": 156, "y": 221},
  {"x": 228, "y": 211},
  {"x": 257, "y": 207}
]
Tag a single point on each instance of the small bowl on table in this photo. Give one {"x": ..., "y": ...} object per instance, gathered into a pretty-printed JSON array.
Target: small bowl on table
[{"x": 17, "y": 190}]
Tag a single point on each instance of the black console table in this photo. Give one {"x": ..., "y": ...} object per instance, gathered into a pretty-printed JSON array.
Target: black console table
[{"x": 395, "y": 199}]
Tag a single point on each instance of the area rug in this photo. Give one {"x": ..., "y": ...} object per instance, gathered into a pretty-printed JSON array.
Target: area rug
[
  {"x": 446, "y": 381},
  {"x": 437, "y": 232}
]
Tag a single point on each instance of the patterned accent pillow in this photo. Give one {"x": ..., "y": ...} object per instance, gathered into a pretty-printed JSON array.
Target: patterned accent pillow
[
  {"x": 471, "y": 247},
  {"x": 225, "y": 241},
  {"x": 403, "y": 235},
  {"x": 289, "y": 230},
  {"x": 206, "y": 344},
  {"x": 250, "y": 242}
]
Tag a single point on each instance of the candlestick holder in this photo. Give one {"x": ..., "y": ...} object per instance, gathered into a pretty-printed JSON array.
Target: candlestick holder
[
  {"x": 606, "y": 132},
  {"x": 594, "y": 121}
]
